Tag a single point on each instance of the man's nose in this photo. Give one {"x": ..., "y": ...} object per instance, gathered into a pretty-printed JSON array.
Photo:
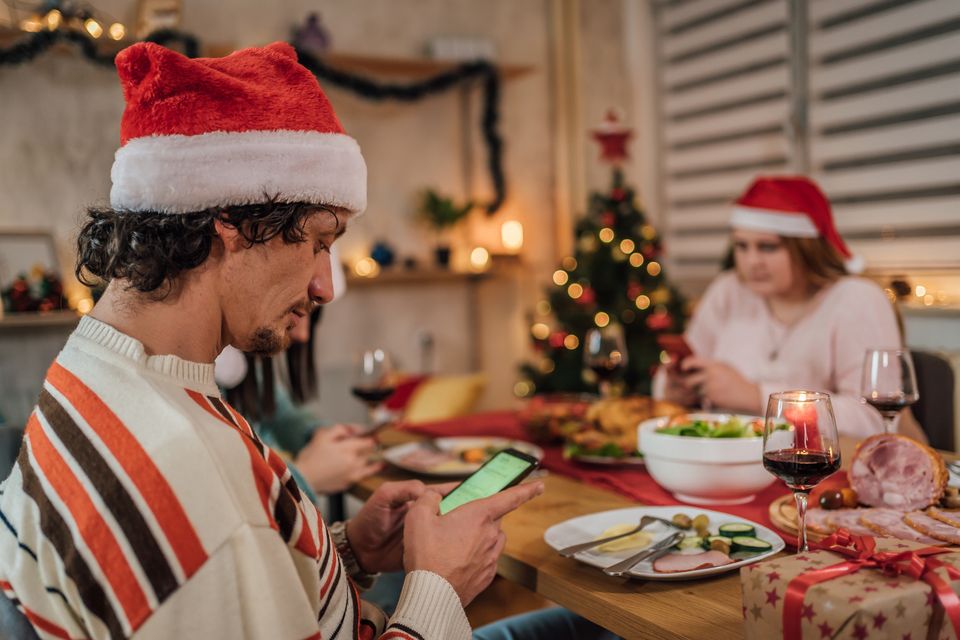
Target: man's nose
[{"x": 320, "y": 288}]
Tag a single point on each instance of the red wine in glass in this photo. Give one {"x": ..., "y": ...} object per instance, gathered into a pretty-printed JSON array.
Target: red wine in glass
[
  {"x": 890, "y": 406},
  {"x": 372, "y": 396},
  {"x": 606, "y": 371},
  {"x": 801, "y": 469}
]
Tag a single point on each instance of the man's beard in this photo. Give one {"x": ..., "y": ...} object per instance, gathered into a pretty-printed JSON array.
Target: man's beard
[{"x": 268, "y": 342}]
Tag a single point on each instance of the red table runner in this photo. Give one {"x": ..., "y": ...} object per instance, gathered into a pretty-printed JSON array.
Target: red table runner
[{"x": 633, "y": 483}]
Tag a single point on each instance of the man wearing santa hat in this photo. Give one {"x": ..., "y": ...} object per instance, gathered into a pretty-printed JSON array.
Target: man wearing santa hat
[
  {"x": 141, "y": 504},
  {"x": 789, "y": 315}
]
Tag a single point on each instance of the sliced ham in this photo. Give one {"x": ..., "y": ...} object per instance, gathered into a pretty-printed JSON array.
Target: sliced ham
[
  {"x": 896, "y": 472},
  {"x": 889, "y": 523},
  {"x": 817, "y": 521},
  {"x": 679, "y": 562},
  {"x": 932, "y": 527},
  {"x": 950, "y": 516},
  {"x": 849, "y": 519}
]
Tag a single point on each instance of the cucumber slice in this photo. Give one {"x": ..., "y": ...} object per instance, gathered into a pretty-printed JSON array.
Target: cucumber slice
[
  {"x": 753, "y": 545},
  {"x": 734, "y": 529}
]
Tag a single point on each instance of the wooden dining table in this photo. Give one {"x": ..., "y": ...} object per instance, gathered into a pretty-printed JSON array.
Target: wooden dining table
[{"x": 632, "y": 608}]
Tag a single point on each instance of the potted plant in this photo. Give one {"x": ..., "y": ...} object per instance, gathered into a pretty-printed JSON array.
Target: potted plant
[{"x": 441, "y": 213}]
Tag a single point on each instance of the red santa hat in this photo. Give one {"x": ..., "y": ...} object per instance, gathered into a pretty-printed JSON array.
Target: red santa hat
[
  {"x": 791, "y": 206},
  {"x": 243, "y": 129}
]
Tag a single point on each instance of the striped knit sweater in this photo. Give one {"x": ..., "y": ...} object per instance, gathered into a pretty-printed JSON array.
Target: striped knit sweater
[{"x": 143, "y": 506}]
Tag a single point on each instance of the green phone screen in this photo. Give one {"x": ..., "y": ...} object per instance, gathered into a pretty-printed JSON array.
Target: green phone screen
[{"x": 494, "y": 476}]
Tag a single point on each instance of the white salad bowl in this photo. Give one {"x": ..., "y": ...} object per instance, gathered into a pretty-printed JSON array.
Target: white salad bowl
[{"x": 704, "y": 470}]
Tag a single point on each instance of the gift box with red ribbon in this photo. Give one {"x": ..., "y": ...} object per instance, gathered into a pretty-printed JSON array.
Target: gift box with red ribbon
[{"x": 856, "y": 587}]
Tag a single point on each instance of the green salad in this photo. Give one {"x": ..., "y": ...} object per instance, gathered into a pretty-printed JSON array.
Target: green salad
[
  {"x": 606, "y": 450},
  {"x": 733, "y": 427}
]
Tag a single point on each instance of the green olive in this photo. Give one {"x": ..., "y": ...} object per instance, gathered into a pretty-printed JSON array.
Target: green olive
[
  {"x": 701, "y": 522},
  {"x": 681, "y": 520}
]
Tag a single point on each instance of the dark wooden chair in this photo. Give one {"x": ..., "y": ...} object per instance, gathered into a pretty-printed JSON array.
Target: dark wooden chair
[{"x": 935, "y": 409}]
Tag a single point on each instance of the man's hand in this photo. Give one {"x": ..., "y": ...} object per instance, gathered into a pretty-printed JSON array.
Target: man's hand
[
  {"x": 463, "y": 545},
  {"x": 335, "y": 458},
  {"x": 376, "y": 532},
  {"x": 721, "y": 384}
]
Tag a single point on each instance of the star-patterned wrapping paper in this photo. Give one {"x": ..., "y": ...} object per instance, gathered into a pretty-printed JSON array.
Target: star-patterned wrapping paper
[{"x": 858, "y": 606}]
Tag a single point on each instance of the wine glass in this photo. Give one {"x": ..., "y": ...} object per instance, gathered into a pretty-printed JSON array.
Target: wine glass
[
  {"x": 889, "y": 383},
  {"x": 800, "y": 445},
  {"x": 373, "y": 382},
  {"x": 605, "y": 353}
]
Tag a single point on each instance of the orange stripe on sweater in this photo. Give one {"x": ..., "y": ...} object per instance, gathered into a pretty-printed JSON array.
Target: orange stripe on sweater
[
  {"x": 149, "y": 480},
  {"x": 239, "y": 418},
  {"x": 315, "y": 636},
  {"x": 201, "y": 400},
  {"x": 94, "y": 530},
  {"x": 45, "y": 625}
]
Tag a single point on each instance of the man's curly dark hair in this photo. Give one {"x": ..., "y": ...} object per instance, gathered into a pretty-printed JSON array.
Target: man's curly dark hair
[{"x": 150, "y": 249}]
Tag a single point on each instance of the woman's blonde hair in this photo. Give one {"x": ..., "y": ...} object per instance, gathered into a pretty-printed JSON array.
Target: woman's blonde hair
[{"x": 818, "y": 262}]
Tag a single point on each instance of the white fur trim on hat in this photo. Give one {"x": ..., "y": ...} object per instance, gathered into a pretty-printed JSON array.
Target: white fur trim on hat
[
  {"x": 784, "y": 223},
  {"x": 182, "y": 174}
]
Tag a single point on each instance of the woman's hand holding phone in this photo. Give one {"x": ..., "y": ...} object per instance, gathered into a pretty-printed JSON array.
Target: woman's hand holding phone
[{"x": 463, "y": 545}]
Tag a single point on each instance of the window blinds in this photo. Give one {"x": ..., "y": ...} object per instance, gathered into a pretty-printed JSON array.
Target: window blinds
[
  {"x": 874, "y": 117},
  {"x": 885, "y": 126}
]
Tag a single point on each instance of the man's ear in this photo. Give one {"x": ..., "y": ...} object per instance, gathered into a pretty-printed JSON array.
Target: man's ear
[{"x": 229, "y": 235}]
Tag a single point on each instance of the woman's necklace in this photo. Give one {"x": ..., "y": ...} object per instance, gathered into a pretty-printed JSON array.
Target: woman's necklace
[
  {"x": 779, "y": 344},
  {"x": 787, "y": 332}
]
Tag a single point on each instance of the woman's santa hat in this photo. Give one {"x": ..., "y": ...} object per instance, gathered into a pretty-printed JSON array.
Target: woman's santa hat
[
  {"x": 248, "y": 128},
  {"x": 791, "y": 206}
]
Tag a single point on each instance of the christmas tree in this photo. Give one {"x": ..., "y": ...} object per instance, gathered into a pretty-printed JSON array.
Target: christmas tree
[{"x": 615, "y": 276}]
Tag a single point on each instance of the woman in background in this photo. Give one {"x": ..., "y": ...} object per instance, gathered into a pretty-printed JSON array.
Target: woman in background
[{"x": 789, "y": 315}]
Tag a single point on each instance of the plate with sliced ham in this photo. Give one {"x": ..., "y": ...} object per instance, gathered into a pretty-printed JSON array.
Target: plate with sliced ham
[{"x": 714, "y": 542}]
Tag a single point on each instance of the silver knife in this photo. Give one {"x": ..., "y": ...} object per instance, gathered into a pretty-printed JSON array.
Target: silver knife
[
  {"x": 657, "y": 550},
  {"x": 572, "y": 550}
]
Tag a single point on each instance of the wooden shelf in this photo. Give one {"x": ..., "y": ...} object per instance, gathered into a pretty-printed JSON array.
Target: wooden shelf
[
  {"x": 35, "y": 320},
  {"x": 416, "y": 276},
  {"x": 407, "y": 67}
]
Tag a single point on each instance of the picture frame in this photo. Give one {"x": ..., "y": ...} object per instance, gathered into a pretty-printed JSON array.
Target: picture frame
[{"x": 22, "y": 250}]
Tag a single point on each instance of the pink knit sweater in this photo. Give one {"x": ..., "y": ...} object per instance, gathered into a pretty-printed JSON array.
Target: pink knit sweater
[{"x": 823, "y": 351}]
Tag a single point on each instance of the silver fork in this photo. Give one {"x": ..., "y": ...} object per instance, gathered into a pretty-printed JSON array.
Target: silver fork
[
  {"x": 653, "y": 552},
  {"x": 583, "y": 546}
]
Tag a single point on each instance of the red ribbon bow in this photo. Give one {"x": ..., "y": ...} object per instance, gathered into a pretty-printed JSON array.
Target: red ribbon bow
[{"x": 861, "y": 552}]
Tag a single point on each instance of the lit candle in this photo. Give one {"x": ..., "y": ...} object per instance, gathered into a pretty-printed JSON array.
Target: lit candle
[{"x": 511, "y": 236}]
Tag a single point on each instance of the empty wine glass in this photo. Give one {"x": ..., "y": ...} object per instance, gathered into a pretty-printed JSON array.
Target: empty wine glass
[
  {"x": 800, "y": 445},
  {"x": 373, "y": 382},
  {"x": 889, "y": 383},
  {"x": 605, "y": 353}
]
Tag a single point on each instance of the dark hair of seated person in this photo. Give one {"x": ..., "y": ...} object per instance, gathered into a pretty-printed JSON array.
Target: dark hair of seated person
[{"x": 150, "y": 249}]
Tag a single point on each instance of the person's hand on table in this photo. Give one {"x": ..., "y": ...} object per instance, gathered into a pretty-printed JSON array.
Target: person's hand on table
[
  {"x": 337, "y": 457},
  {"x": 720, "y": 384},
  {"x": 463, "y": 545}
]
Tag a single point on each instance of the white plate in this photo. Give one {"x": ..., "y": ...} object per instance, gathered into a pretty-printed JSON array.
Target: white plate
[
  {"x": 590, "y": 527},
  {"x": 395, "y": 455}
]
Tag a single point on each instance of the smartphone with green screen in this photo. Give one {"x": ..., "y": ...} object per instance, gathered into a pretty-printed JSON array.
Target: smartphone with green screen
[{"x": 505, "y": 469}]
